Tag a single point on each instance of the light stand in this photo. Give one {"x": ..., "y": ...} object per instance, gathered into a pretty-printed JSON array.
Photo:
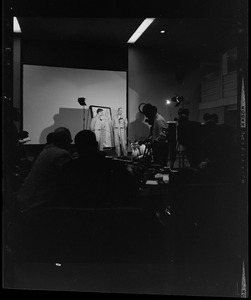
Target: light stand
[{"x": 82, "y": 102}]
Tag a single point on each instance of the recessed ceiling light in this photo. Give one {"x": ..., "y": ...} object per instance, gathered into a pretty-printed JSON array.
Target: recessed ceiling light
[
  {"x": 162, "y": 31},
  {"x": 16, "y": 27},
  {"x": 143, "y": 26}
]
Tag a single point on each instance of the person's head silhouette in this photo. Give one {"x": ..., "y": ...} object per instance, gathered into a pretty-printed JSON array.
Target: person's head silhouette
[
  {"x": 85, "y": 142},
  {"x": 49, "y": 138},
  {"x": 62, "y": 138}
]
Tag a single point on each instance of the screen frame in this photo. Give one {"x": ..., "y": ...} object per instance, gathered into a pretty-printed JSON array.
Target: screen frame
[{"x": 93, "y": 109}]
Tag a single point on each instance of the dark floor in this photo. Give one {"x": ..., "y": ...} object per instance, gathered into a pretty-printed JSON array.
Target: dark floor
[
  {"x": 147, "y": 278},
  {"x": 194, "y": 247}
]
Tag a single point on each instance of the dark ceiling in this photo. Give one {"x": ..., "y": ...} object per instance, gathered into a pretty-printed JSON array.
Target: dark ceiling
[
  {"x": 104, "y": 31},
  {"x": 204, "y": 28}
]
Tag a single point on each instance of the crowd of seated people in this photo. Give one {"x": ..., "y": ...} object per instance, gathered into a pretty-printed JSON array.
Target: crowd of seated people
[
  {"x": 90, "y": 179},
  {"x": 93, "y": 180},
  {"x": 22, "y": 162},
  {"x": 71, "y": 203},
  {"x": 49, "y": 140},
  {"x": 41, "y": 184},
  {"x": 189, "y": 134},
  {"x": 220, "y": 150},
  {"x": 211, "y": 148},
  {"x": 86, "y": 178},
  {"x": 17, "y": 159},
  {"x": 205, "y": 201}
]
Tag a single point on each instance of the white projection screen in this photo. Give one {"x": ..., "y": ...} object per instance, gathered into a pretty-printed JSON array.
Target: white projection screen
[{"x": 50, "y": 98}]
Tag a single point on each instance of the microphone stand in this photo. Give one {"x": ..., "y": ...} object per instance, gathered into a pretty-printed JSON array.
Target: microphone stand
[
  {"x": 84, "y": 118},
  {"x": 82, "y": 102}
]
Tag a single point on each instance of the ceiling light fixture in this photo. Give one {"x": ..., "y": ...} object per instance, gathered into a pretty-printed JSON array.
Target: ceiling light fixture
[
  {"x": 143, "y": 26},
  {"x": 16, "y": 27},
  {"x": 162, "y": 31}
]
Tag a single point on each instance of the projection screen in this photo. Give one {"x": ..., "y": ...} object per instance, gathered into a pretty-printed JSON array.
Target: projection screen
[{"x": 50, "y": 98}]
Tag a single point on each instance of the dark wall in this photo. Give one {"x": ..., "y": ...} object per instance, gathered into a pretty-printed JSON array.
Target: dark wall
[
  {"x": 74, "y": 54},
  {"x": 153, "y": 77},
  {"x": 17, "y": 76}
]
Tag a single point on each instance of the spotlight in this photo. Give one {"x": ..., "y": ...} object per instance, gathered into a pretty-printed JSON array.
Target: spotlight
[
  {"x": 174, "y": 99},
  {"x": 81, "y": 101},
  {"x": 168, "y": 101},
  {"x": 177, "y": 99}
]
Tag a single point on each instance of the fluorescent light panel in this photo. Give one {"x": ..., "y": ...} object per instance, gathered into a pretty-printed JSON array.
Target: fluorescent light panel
[
  {"x": 143, "y": 26},
  {"x": 16, "y": 27}
]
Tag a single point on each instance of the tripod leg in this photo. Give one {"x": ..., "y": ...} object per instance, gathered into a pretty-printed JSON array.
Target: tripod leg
[
  {"x": 147, "y": 151},
  {"x": 179, "y": 154}
]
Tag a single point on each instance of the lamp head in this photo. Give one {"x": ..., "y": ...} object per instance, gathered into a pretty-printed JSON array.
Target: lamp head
[
  {"x": 81, "y": 101},
  {"x": 178, "y": 100}
]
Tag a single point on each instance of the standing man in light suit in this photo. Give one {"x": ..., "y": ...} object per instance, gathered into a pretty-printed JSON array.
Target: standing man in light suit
[
  {"x": 119, "y": 124},
  {"x": 97, "y": 127}
]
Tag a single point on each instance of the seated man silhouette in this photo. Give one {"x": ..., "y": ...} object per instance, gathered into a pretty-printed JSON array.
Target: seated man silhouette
[
  {"x": 23, "y": 158},
  {"x": 41, "y": 184},
  {"x": 91, "y": 179},
  {"x": 220, "y": 153},
  {"x": 189, "y": 134}
]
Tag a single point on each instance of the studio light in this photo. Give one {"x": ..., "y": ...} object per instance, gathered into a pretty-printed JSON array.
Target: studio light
[
  {"x": 144, "y": 25},
  {"x": 16, "y": 26},
  {"x": 81, "y": 101},
  {"x": 177, "y": 99}
]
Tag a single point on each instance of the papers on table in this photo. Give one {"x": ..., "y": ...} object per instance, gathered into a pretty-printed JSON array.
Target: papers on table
[{"x": 151, "y": 182}]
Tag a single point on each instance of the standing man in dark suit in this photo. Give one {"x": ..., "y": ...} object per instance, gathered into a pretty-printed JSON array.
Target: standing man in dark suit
[
  {"x": 158, "y": 134},
  {"x": 190, "y": 136}
]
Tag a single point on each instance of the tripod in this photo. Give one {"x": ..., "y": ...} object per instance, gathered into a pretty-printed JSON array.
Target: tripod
[
  {"x": 84, "y": 118},
  {"x": 148, "y": 155},
  {"x": 181, "y": 155}
]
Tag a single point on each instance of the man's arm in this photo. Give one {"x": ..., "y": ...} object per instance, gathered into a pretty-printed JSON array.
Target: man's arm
[
  {"x": 92, "y": 124},
  {"x": 162, "y": 128}
]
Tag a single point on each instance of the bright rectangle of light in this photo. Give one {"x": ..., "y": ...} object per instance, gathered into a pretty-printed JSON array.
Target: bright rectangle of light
[
  {"x": 16, "y": 27},
  {"x": 143, "y": 26}
]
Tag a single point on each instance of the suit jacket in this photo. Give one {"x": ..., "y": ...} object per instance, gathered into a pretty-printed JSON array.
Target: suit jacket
[{"x": 119, "y": 122}]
